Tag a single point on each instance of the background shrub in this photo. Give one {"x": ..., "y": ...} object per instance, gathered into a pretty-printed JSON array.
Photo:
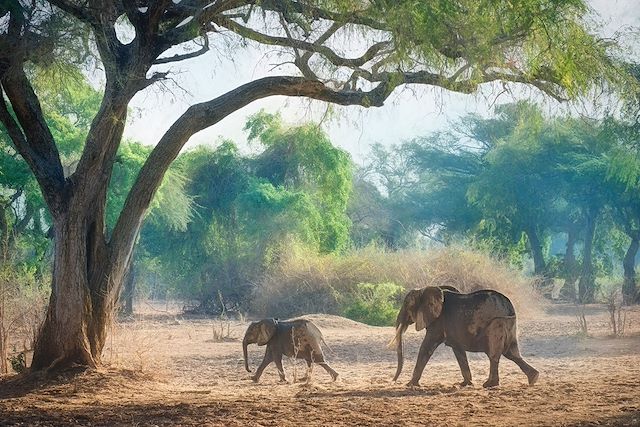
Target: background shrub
[
  {"x": 374, "y": 304},
  {"x": 23, "y": 303},
  {"x": 303, "y": 283}
]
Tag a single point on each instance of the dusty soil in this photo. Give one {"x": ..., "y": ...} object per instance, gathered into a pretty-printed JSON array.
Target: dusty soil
[{"x": 163, "y": 369}]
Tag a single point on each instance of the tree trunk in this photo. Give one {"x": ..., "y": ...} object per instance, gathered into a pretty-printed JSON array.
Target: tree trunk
[
  {"x": 587, "y": 282},
  {"x": 539, "y": 267},
  {"x": 4, "y": 234},
  {"x": 129, "y": 291},
  {"x": 85, "y": 287},
  {"x": 3, "y": 335},
  {"x": 570, "y": 267},
  {"x": 629, "y": 263},
  {"x": 64, "y": 337}
]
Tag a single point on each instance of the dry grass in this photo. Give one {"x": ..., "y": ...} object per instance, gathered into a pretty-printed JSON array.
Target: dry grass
[
  {"x": 304, "y": 283},
  {"x": 23, "y": 303},
  {"x": 221, "y": 330}
]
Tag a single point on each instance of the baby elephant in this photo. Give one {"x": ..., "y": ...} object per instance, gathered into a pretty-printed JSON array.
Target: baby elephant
[{"x": 298, "y": 338}]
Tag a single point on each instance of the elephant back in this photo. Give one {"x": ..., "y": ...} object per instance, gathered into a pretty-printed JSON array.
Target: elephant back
[{"x": 305, "y": 337}]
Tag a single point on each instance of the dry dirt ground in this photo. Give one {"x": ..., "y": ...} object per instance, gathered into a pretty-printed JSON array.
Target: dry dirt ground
[{"x": 163, "y": 369}]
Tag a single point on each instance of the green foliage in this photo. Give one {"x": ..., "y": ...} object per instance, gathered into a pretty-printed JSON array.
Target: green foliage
[
  {"x": 540, "y": 38},
  {"x": 374, "y": 304},
  {"x": 303, "y": 157},
  {"x": 171, "y": 207},
  {"x": 18, "y": 362},
  {"x": 248, "y": 210}
]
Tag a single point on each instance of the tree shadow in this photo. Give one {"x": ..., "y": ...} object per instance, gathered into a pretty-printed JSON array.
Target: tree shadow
[
  {"x": 117, "y": 415},
  {"x": 67, "y": 381},
  {"x": 628, "y": 418},
  {"x": 19, "y": 385},
  {"x": 397, "y": 391}
]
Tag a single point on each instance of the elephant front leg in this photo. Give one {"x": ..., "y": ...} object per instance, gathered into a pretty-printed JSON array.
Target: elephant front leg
[
  {"x": 429, "y": 345},
  {"x": 268, "y": 358},
  {"x": 461, "y": 357}
]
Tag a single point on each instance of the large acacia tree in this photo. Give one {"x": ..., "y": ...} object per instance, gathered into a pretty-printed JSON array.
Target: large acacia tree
[{"x": 347, "y": 52}]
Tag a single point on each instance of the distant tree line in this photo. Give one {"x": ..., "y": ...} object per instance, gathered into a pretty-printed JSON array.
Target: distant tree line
[{"x": 516, "y": 184}]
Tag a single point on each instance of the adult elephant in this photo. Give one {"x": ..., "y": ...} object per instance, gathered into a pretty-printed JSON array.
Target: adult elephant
[{"x": 481, "y": 321}]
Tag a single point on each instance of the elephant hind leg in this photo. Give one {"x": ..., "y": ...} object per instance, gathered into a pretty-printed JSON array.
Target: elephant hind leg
[
  {"x": 334, "y": 374},
  {"x": 496, "y": 334},
  {"x": 307, "y": 377},
  {"x": 513, "y": 353},
  {"x": 317, "y": 356}
]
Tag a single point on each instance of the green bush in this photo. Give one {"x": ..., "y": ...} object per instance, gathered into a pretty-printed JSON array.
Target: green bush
[{"x": 374, "y": 304}]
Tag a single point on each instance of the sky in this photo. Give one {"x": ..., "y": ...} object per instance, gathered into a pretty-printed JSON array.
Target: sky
[{"x": 408, "y": 113}]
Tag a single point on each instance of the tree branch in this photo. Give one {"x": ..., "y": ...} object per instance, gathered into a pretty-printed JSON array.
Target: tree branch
[
  {"x": 80, "y": 12},
  {"x": 182, "y": 57},
  {"x": 328, "y": 53},
  {"x": 319, "y": 13},
  {"x": 32, "y": 137},
  {"x": 206, "y": 114},
  {"x": 201, "y": 14}
]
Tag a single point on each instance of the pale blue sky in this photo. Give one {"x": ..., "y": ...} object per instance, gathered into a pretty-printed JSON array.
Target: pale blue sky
[{"x": 408, "y": 113}]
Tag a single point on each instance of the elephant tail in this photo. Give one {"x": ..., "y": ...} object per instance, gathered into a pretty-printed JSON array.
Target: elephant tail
[
  {"x": 326, "y": 345},
  {"x": 319, "y": 335}
]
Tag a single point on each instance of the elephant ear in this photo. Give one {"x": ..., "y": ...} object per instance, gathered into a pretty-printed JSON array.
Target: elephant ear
[
  {"x": 430, "y": 307},
  {"x": 267, "y": 329},
  {"x": 409, "y": 311}
]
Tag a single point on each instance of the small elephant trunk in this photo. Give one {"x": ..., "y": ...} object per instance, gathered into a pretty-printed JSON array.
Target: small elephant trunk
[{"x": 245, "y": 343}]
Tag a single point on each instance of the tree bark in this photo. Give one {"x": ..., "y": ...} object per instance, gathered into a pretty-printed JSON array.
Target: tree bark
[
  {"x": 587, "y": 282},
  {"x": 84, "y": 289},
  {"x": 539, "y": 266},
  {"x": 4, "y": 234},
  {"x": 129, "y": 291},
  {"x": 570, "y": 267},
  {"x": 629, "y": 263}
]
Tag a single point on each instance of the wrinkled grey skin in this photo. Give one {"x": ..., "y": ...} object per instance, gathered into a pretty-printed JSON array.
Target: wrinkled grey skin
[
  {"x": 298, "y": 338},
  {"x": 481, "y": 321}
]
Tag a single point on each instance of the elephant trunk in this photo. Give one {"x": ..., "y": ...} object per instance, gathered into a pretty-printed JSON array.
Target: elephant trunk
[
  {"x": 245, "y": 343},
  {"x": 402, "y": 323}
]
